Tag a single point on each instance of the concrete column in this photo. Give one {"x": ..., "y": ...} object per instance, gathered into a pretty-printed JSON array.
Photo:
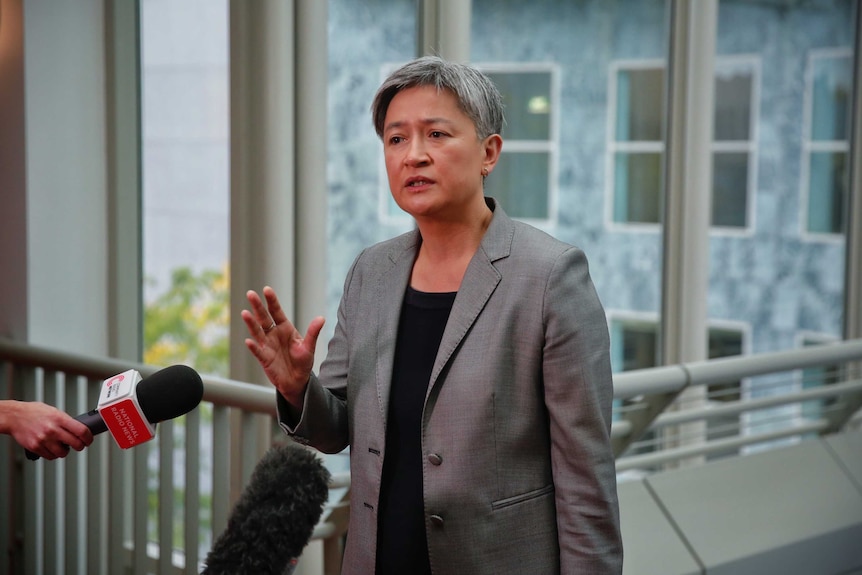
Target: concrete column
[
  {"x": 278, "y": 162},
  {"x": 688, "y": 198},
  {"x": 312, "y": 83},
  {"x": 263, "y": 164},
  {"x": 444, "y": 29},
  {"x": 853, "y": 270},
  {"x": 688, "y": 177},
  {"x": 278, "y": 178},
  {"x": 125, "y": 187}
]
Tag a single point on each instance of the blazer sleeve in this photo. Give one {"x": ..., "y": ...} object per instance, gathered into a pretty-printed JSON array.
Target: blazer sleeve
[
  {"x": 578, "y": 389},
  {"x": 323, "y": 422}
]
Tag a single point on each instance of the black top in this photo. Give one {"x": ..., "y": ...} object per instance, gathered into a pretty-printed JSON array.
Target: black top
[{"x": 402, "y": 546}]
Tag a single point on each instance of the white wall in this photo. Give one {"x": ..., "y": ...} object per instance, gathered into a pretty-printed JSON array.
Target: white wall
[
  {"x": 66, "y": 171},
  {"x": 13, "y": 201}
]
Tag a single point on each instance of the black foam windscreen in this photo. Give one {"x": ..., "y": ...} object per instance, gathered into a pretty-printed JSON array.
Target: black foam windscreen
[
  {"x": 275, "y": 515},
  {"x": 170, "y": 392}
]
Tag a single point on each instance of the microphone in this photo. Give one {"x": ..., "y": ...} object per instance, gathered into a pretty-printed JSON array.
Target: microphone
[
  {"x": 274, "y": 517},
  {"x": 130, "y": 406}
]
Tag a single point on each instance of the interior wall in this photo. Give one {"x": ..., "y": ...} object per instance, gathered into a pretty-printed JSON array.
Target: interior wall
[
  {"x": 66, "y": 181},
  {"x": 13, "y": 221}
]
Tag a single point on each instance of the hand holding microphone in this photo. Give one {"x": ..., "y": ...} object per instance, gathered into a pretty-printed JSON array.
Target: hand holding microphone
[
  {"x": 129, "y": 407},
  {"x": 42, "y": 428}
]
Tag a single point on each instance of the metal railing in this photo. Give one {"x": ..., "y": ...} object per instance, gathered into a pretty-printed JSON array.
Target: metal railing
[
  {"x": 106, "y": 510},
  {"x": 734, "y": 405}
]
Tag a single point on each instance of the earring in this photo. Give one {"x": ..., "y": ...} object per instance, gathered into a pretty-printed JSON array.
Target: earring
[{"x": 484, "y": 172}]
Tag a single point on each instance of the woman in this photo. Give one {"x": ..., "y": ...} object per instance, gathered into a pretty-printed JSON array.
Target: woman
[{"x": 469, "y": 368}]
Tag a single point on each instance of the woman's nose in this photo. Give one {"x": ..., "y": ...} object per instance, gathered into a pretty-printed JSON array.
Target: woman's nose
[{"x": 417, "y": 153}]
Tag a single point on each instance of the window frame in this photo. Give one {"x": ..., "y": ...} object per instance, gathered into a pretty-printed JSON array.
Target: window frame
[
  {"x": 749, "y": 147},
  {"x": 615, "y": 147},
  {"x": 550, "y": 146},
  {"x": 809, "y": 146}
]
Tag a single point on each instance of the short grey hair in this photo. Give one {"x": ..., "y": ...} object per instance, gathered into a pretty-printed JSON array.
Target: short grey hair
[{"x": 477, "y": 95}]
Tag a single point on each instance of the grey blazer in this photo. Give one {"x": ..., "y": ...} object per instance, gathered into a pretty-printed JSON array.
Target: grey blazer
[{"x": 518, "y": 472}]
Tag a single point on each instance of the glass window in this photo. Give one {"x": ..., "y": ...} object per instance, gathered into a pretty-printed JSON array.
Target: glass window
[
  {"x": 603, "y": 150},
  {"x": 830, "y": 76},
  {"x": 363, "y": 47},
  {"x": 640, "y": 99},
  {"x": 524, "y": 180},
  {"x": 638, "y": 145},
  {"x": 815, "y": 377},
  {"x": 785, "y": 73},
  {"x": 637, "y": 187},
  {"x": 528, "y": 102},
  {"x": 724, "y": 343},
  {"x": 729, "y": 189},
  {"x": 733, "y": 103},
  {"x": 185, "y": 147},
  {"x": 827, "y": 189},
  {"x": 634, "y": 344},
  {"x": 733, "y": 141},
  {"x": 521, "y": 182}
]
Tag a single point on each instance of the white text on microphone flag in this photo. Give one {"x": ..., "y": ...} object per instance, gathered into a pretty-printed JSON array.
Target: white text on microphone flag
[{"x": 120, "y": 410}]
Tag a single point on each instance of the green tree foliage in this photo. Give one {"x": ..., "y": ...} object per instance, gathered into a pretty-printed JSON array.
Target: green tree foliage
[{"x": 189, "y": 322}]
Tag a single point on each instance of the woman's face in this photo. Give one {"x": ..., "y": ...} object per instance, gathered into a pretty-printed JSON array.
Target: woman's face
[{"x": 434, "y": 159}]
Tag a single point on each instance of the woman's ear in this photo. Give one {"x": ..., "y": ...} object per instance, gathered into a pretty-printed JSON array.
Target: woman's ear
[{"x": 493, "y": 144}]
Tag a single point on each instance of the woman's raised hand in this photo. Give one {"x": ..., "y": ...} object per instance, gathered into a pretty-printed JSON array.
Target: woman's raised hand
[{"x": 285, "y": 355}]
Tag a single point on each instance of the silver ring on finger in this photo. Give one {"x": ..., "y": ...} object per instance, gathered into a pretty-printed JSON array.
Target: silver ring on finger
[{"x": 270, "y": 328}]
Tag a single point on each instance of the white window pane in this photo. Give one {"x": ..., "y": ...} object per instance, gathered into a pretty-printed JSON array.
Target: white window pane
[
  {"x": 634, "y": 344},
  {"x": 826, "y": 191},
  {"x": 527, "y": 101},
  {"x": 520, "y": 183},
  {"x": 732, "y": 106},
  {"x": 729, "y": 189},
  {"x": 637, "y": 187},
  {"x": 832, "y": 90},
  {"x": 640, "y": 101}
]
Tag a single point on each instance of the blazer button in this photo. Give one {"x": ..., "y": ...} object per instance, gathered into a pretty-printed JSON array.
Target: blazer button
[
  {"x": 435, "y": 459},
  {"x": 436, "y": 521}
]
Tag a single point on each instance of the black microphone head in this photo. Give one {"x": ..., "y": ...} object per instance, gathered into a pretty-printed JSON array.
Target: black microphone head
[
  {"x": 169, "y": 393},
  {"x": 275, "y": 515}
]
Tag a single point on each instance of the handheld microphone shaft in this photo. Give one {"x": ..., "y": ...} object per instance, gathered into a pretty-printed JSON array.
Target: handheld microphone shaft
[
  {"x": 93, "y": 421},
  {"x": 166, "y": 394}
]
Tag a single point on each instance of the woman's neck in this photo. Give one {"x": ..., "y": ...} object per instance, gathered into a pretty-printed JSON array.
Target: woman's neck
[{"x": 446, "y": 251}]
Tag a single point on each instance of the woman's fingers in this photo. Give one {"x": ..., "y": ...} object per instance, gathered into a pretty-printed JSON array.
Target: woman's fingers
[
  {"x": 253, "y": 325},
  {"x": 311, "y": 335},
  {"x": 258, "y": 309},
  {"x": 274, "y": 306}
]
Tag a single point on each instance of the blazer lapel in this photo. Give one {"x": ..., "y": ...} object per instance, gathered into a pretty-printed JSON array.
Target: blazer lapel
[
  {"x": 480, "y": 281},
  {"x": 391, "y": 285}
]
